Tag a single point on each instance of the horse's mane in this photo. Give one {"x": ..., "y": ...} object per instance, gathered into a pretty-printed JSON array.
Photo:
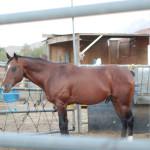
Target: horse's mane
[{"x": 35, "y": 58}]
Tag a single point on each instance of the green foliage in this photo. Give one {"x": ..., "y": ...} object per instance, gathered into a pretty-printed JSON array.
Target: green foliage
[
  {"x": 27, "y": 51},
  {"x": 3, "y": 55},
  {"x": 37, "y": 51}
]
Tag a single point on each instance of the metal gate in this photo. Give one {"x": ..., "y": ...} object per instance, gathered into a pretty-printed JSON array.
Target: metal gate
[
  {"x": 25, "y": 109},
  {"x": 142, "y": 85}
]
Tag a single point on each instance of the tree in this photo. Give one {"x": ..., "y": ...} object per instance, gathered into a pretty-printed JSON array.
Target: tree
[
  {"x": 26, "y": 50},
  {"x": 37, "y": 51},
  {"x": 2, "y": 54}
]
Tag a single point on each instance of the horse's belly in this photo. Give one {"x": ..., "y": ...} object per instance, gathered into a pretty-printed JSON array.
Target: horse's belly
[
  {"x": 91, "y": 100},
  {"x": 90, "y": 96}
]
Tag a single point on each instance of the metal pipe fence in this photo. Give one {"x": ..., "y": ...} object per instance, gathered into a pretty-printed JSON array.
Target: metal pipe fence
[
  {"x": 22, "y": 141},
  {"x": 33, "y": 111},
  {"x": 121, "y": 65},
  {"x": 70, "y": 143},
  {"x": 76, "y": 11}
]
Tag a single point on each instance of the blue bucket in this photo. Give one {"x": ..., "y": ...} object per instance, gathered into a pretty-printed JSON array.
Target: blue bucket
[{"x": 11, "y": 96}]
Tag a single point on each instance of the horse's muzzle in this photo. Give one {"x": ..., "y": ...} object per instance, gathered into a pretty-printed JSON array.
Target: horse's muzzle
[{"x": 6, "y": 87}]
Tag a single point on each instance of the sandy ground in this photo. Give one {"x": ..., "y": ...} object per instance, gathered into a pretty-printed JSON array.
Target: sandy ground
[{"x": 44, "y": 122}]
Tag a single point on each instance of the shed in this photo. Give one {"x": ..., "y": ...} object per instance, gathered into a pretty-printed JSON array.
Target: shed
[{"x": 112, "y": 48}]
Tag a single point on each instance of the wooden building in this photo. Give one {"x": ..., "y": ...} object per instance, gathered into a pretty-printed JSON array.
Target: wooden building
[{"x": 111, "y": 48}]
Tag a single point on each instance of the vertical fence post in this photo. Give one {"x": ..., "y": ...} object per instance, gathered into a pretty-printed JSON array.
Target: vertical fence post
[
  {"x": 75, "y": 62},
  {"x": 79, "y": 118},
  {"x": 73, "y": 117}
]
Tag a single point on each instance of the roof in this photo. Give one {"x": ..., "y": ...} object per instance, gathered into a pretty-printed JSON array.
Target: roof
[
  {"x": 118, "y": 35},
  {"x": 56, "y": 38}
]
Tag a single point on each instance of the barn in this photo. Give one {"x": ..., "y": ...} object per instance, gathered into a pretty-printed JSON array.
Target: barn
[{"x": 112, "y": 48}]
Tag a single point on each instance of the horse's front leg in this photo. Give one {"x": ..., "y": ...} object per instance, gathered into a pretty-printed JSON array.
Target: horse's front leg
[{"x": 63, "y": 121}]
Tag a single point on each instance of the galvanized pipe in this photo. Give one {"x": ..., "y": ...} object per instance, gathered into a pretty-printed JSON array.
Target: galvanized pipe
[
  {"x": 50, "y": 132},
  {"x": 69, "y": 142},
  {"x": 32, "y": 111},
  {"x": 74, "y": 41},
  {"x": 25, "y": 89},
  {"x": 77, "y": 11},
  {"x": 2, "y": 65},
  {"x": 134, "y": 66}
]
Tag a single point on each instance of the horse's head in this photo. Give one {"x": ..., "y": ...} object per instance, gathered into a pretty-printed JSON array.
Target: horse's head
[{"x": 14, "y": 73}]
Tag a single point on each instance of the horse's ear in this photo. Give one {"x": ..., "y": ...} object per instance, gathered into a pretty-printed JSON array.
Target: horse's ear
[
  {"x": 15, "y": 56},
  {"x": 8, "y": 56}
]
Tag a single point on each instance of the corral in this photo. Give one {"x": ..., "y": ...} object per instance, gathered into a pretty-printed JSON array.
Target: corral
[{"x": 76, "y": 144}]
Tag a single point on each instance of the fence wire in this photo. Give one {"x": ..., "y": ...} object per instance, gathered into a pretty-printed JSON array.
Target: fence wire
[
  {"x": 25, "y": 109},
  {"x": 29, "y": 114}
]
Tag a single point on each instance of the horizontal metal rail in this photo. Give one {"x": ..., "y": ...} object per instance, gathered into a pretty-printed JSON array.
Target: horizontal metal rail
[
  {"x": 25, "y": 141},
  {"x": 77, "y": 11},
  {"x": 92, "y": 65},
  {"x": 24, "y": 89},
  {"x": 50, "y": 132},
  {"x": 32, "y": 111},
  {"x": 2, "y": 65}
]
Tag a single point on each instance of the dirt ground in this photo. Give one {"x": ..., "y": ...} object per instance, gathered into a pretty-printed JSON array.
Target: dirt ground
[
  {"x": 45, "y": 121},
  {"x": 104, "y": 133},
  {"x": 43, "y": 126}
]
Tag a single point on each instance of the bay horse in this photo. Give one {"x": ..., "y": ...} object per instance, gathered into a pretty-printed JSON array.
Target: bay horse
[{"x": 66, "y": 83}]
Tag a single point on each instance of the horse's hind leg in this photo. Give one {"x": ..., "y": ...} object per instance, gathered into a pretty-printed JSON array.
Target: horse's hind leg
[
  {"x": 63, "y": 121},
  {"x": 125, "y": 114},
  {"x": 130, "y": 123},
  {"x": 122, "y": 118}
]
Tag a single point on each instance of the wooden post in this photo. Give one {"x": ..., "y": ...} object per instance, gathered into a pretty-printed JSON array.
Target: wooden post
[
  {"x": 148, "y": 53},
  {"x": 47, "y": 50},
  {"x": 118, "y": 52}
]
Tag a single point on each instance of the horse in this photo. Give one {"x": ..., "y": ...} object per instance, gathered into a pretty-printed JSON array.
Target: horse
[{"x": 65, "y": 83}]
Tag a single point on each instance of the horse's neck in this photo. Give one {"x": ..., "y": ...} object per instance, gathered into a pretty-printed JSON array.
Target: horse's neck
[{"x": 34, "y": 71}]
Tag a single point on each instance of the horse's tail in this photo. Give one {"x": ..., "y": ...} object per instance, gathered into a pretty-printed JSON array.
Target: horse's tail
[{"x": 132, "y": 72}]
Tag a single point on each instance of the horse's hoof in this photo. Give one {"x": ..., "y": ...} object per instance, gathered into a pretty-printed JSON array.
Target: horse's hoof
[{"x": 130, "y": 138}]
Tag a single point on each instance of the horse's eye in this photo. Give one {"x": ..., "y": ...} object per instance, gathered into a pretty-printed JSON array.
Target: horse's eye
[{"x": 13, "y": 69}]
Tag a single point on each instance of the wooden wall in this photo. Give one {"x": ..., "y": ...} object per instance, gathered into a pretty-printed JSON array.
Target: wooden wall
[
  {"x": 129, "y": 51},
  {"x": 124, "y": 51},
  {"x": 59, "y": 50},
  {"x": 142, "y": 46},
  {"x": 98, "y": 50}
]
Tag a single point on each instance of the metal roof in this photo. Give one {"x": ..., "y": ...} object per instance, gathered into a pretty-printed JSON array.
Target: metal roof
[{"x": 118, "y": 35}]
